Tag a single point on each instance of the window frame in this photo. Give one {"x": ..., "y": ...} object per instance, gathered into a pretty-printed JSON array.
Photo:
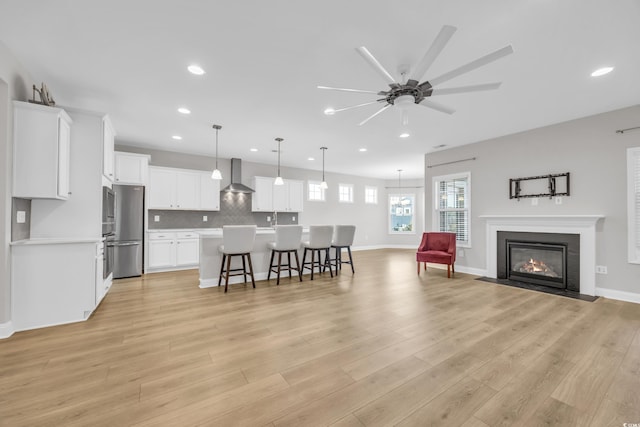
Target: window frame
[
  {"x": 436, "y": 205},
  {"x": 633, "y": 205},
  {"x": 348, "y": 186},
  {"x": 366, "y": 189},
  {"x": 322, "y": 192},
  {"x": 413, "y": 214}
]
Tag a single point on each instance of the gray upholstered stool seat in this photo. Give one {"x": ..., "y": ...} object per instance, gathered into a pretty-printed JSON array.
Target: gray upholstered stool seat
[
  {"x": 288, "y": 239},
  {"x": 343, "y": 239},
  {"x": 319, "y": 241}
]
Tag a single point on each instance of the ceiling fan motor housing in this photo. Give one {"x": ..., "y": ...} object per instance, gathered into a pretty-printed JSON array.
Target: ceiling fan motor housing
[{"x": 411, "y": 88}]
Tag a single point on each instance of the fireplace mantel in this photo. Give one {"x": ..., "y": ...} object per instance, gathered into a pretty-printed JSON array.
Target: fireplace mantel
[{"x": 584, "y": 225}]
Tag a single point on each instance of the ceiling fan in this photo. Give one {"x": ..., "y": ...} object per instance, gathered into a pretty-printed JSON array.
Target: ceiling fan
[{"x": 410, "y": 91}]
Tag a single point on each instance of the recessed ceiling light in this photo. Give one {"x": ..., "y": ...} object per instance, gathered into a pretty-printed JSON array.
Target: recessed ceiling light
[
  {"x": 363, "y": 150},
  {"x": 177, "y": 137},
  {"x": 195, "y": 69},
  {"x": 183, "y": 110},
  {"x": 601, "y": 71},
  {"x": 253, "y": 149},
  {"x": 405, "y": 135},
  {"x": 311, "y": 159},
  {"x": 329, "y": 111}
]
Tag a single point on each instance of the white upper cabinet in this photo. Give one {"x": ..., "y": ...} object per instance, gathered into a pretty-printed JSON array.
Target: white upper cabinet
[
  {"x": 280, "y": 198},
  {"x": 262, "y": 199},
  {"x": 209, "y": 193},
  {"x": 42, "y": 138},
  {"x": 182, "y": 189},
  {"x": 131, "y": 168},
  {"x": 108, "y": 142}
]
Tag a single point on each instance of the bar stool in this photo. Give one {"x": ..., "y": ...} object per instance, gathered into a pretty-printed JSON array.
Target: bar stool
[
  {"x": 237, "y": 240},
  {"x": 343, "y": 238},
  {"x": 319, "y": 240},
  {"x": 288, "y": 239}
]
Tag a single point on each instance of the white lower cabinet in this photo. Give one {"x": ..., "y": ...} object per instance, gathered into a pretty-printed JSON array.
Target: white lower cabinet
[
  {"x": 173, "y": 250},
  {"x": 64, "y": 287}
]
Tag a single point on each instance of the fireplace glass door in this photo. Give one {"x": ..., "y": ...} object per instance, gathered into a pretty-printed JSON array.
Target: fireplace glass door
[{"x": 537, "y": 263}]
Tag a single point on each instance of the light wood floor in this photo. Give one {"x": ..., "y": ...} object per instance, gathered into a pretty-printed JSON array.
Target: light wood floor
[{"x": 382, "y": 347}]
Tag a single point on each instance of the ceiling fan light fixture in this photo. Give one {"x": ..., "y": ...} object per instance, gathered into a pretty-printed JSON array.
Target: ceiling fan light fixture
[
  {"x": 601, "y": 71},
  {"x": 404, "y": 100}
]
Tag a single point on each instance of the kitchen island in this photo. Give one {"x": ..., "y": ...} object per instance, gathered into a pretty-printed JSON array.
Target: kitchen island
[{"x": 210, "y": 256}]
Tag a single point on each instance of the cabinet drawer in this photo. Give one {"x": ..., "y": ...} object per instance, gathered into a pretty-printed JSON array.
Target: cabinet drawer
[
  {"x": 186, "y": 235},
  {"x": 162, "y": 236}
]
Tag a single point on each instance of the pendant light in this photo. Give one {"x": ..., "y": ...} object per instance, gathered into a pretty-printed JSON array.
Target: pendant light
[
  {"x": 323, "y": 184},
  {"x": 279, "y": 180},
  {"x": 216, "y": 172}
]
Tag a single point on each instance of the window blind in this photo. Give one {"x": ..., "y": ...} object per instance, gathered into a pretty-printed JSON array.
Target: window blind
[
  {"x": 452, "y": 204},
  {"x": 633, "y": 201}
]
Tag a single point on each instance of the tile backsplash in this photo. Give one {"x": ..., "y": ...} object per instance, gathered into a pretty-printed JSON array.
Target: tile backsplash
[{"x": 235, "y": 209}]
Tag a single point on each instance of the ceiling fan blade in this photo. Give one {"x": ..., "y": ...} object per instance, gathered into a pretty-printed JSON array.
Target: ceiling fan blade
[
  {"x": 355, "y": 106},
  {"x": 347, "y": 90},
  {"x": 465, "y": 89},
  {"x": 374, "y": 114},
  {"x": 438, "y": 44},
  {"x": 375, "y": 64},
  {"x": 436, "y": 106},
  {"x": 507, "y": 50}
]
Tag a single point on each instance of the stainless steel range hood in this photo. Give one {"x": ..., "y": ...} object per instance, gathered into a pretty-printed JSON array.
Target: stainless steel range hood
[{"x": 236, "y": 185}]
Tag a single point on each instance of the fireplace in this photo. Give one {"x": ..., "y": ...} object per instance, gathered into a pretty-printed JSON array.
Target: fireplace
[{"x": 547, "y": 259}]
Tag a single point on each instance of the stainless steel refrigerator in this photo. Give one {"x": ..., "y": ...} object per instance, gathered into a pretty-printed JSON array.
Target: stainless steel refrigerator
[{"x": 129, "y": 215}]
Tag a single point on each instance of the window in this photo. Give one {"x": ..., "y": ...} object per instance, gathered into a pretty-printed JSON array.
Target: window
[
  {"x": 401, "y": 213},
  {"x": 345, "y": 193},
  {"x": 633, "y": 203},
  {"x": 371, "y": 195},
  {"x": 315, "y": 193},
  {"x": 452, "y": 206}
]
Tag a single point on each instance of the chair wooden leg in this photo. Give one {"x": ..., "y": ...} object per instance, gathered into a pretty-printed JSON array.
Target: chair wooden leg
[
  {"x": 271, "y": 264},
  {"x": 221, "y": 269},
  {"x": 327, "y": 260},
  {"x": 226, "y": 279},
  {"x": 448, "y": 271},
  {"x": 418, "y": 268},
  {"x": 298, "y": 265},
  {"x": 289, "y": 262},
  {"x": 253, "y": 282},
  {"x": 453, "y": 270},
  {"x": 313, "y": 252},
  {"x": 279, "y": 266},
  {"x": 353, "y": 270}
]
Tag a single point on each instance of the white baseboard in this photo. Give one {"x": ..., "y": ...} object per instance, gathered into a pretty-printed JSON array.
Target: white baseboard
[
  {"x": 471, "y": 270},
  {"x": 618, "y": 295},
  {"x": 6, "y": 330}
]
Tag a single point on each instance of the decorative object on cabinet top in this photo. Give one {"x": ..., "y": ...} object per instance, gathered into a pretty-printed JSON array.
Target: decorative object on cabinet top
[{"x": 45, "y": 96}]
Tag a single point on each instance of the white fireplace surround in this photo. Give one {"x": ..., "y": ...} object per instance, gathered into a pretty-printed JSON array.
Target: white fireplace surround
[{"x": 584, "y": 225}]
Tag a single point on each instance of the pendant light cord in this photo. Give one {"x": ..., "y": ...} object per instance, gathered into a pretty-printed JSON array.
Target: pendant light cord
[
  {"x": 323, "y": 150},
  {"x": 279, "y": 141},
  {"x": 217, "y": 128}
]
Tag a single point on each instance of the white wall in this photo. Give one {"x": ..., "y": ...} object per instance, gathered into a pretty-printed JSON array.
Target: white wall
[
  {"x": 371, "y": 220},
  {"x": 15, "y": 84},
  {"x": 588, "y": 148}
]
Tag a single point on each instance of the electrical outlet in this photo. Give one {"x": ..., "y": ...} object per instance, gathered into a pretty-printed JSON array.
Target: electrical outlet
[
  {"x": 156, "y": 218},
  {"x": 268, "y": 219},
  {"x": 534, "y": 201},
  {"x": 461, "y": 253},
  {"x": 294, "y": 218},
  {"x": 601, "y": 269},
  {"x": 205, "y": 218},
  {"x": 558, "y": 200},
  {"x": 21, "y": 217}
]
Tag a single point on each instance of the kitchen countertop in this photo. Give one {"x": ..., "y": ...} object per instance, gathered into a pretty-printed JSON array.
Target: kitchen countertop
[{"x": 55, "y": 241}]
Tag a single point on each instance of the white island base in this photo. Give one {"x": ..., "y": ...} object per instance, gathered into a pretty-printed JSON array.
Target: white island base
[{"x": 210, "y": 257}]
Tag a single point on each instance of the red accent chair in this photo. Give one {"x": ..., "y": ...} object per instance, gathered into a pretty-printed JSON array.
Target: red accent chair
[{"x": 439, "y": 248}]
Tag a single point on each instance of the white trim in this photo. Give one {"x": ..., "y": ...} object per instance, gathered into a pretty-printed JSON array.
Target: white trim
[
  {"x": 633, "y": 251},
  {"x": 584, "y": 225},
  {"x": 618, "y": 295},
  {"x": 471, "y": 270},
  {"x": 6, "y": 330},
  {"x": 351, "y": 193}
]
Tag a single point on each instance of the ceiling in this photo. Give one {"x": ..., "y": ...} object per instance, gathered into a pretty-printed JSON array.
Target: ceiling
[{"x": 264, "y": 59}]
